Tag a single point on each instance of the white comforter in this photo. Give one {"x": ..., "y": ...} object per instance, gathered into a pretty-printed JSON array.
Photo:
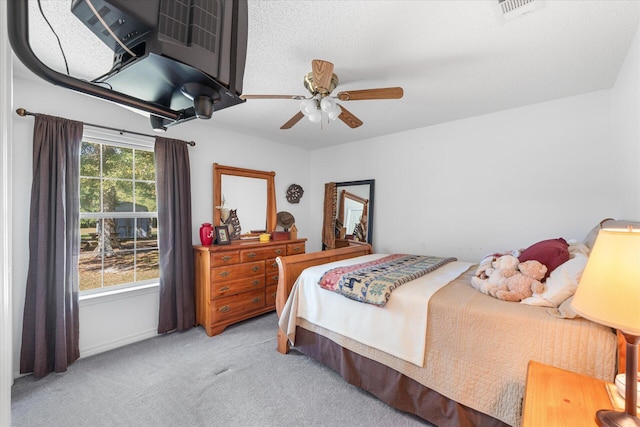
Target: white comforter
[{"x": 398, "y": 328}]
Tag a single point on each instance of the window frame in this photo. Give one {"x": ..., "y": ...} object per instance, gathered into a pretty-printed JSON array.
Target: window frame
[{"x": 117, "y": 139}]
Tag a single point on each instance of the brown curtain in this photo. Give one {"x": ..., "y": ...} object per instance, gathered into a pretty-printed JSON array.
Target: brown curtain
[
  {"x": 50, "y": 323},
  {"x": 329, "y": 221},
  {"x": 173, "y": 184}
]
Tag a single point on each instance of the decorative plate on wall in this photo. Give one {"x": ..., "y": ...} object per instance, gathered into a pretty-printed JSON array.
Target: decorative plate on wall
[{"x": 294, "y": 193}]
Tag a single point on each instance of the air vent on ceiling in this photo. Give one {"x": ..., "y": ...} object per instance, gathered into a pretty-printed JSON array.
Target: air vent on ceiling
[{"x": 507, "y": 10}]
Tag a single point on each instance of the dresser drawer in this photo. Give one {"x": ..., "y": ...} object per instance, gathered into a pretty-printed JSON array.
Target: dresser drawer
[
  {"x": 255, "y": 254},
  {"x": 224, "y": 258},
  {"x": 271, "y": 272},
  {"x": 271, "y": 278},
  {"x": 236, "y": 305},
  {"x": 237, "y": 271},
  {"x": 270, "y": 266},
  {"x": 295, "y": 248},
  {"x": 270, "y": 295},
  {"x": 221, "y": 288}
]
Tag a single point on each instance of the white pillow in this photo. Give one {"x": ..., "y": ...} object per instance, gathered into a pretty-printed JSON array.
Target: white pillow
[
  {"x": 561, "y": 284},
  {"x": 577, "y": 247},
  {"x": 565, "y": 311}
]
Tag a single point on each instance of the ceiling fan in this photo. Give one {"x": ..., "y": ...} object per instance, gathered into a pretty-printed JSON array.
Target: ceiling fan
[{"x": 320, "y": 82}]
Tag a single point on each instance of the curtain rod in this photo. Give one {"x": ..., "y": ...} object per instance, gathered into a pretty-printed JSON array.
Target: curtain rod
[{"x": 22, "y": 112}]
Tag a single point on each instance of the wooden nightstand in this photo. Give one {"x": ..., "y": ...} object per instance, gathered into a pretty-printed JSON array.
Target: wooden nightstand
[{"x": 555, "y": 397}]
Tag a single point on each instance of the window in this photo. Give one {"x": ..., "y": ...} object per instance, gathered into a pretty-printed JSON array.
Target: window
[{"x": 118, "y": 214}]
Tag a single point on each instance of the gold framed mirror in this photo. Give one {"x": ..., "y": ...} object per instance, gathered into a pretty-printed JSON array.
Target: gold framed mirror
[
  {"x": 353, "y": 212},
  {"x": 259, "y": 195}
]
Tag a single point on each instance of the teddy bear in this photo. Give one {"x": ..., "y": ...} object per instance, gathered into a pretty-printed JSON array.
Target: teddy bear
[
  {"x": 501, "y": 268},
  {"x": 485, "y": 268},
  {"x": 486, "y": 264},
  {"x": 523, "y": 284}
]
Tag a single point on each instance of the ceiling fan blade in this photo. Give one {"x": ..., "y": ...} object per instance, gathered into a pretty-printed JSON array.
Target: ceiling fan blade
[
  {"x": 271, "y": 97},
  {"x": 322, "y": 73},
  {"x": 292, "y": 121},
  {"x": 349, "y": 119},
  {"x": 365, "y": 94}
]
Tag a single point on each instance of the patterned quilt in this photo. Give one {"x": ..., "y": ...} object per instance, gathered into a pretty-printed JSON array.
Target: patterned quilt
[{"x": 372, "y": 282}]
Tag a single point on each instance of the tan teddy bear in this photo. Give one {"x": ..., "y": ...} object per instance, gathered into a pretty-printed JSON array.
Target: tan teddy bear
[
  {"x": 522, "y": 284},
  {"x": 501, "y": 268}
]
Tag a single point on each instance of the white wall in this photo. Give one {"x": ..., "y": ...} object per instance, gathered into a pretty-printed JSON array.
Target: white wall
[
  {"x": 116, "y": 320},
  {"x": 626, "y": 135},
  {"x": 499, "y": 181},
  {"x": 490, "y": 183}
]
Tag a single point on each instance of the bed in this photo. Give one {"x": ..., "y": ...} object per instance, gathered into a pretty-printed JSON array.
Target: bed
[{"x": 475, "y": 348}]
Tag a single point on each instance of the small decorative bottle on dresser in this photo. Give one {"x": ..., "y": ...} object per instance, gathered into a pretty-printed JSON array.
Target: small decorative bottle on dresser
[{"x": 238, "y": 281}]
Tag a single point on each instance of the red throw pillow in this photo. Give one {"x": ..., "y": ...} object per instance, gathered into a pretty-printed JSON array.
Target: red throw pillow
[{"x": 551, "y": 253}]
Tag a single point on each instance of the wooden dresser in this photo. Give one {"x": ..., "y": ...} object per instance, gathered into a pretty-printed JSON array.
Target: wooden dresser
[{"x": 237, "y": 281}]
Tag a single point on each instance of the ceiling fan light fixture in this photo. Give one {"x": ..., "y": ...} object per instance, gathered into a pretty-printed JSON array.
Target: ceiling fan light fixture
[
  {"x": 320, "y": 82},
  {"x": 328, "y": 104},
  {"x": 308, "y": 107},
  {"x": 315, "y": 117},
  {"x": 333, "y": 114}
]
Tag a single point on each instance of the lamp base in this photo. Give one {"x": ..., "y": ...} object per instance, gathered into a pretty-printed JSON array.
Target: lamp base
[{"x": 606, "y": 418}]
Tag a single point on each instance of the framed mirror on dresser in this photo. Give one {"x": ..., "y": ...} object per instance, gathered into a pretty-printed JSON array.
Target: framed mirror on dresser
[
  {"x": 251, "y": 193},
  {"x": 238, "y": 280}
]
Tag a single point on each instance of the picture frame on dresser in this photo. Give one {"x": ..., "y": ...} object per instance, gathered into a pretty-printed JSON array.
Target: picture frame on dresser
[{"x": 222, "y": 235}]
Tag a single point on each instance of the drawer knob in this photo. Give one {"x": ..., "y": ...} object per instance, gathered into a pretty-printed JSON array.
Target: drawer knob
[
  {"x": 296, "y": 249},
  {"x": 224, "y": 309},
  {"x": 226, "y": 258},
  {"x": 278, "y": 251},
  {"x": 273, "y": 295},
  {"x": 255, "y": 300},
  {"x": 251, "y": 255},
  {"x": 255, "y": 282},
  {"x": 274, "y": 278},
  {"x": 274, "y": 264},
  {"x": 224, "y": 288},
  {"x": 255, "y": 268},
  {"x": 224, "y": 273}
]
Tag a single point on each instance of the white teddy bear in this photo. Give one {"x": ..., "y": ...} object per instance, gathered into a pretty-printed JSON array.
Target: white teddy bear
[{"x": 503, "y": 267}]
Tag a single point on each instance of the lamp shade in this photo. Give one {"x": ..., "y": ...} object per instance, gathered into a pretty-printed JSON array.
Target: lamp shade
[{"x": 609, "y": 290}]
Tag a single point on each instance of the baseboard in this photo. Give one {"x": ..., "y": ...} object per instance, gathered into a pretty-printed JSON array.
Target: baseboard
[
  {"x": 121, "y": 342},
  {"x": 97, "y": 349}
]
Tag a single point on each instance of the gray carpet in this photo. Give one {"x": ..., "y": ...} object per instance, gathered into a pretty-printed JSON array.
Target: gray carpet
[{"x": 188, "y": 379}]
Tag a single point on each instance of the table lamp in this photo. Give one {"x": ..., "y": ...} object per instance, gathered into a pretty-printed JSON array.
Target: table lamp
[{"x": 609, "y": 294}]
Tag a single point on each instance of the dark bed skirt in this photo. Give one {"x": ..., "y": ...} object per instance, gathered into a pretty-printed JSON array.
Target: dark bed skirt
[{"x": 389, "y": 385}]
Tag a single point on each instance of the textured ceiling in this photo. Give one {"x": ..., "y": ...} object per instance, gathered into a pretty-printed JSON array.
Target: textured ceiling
[{"x": 454, "y": 59}]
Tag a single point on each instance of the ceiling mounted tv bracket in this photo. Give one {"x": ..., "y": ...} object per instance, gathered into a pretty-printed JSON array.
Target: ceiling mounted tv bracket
[
  {"x": 203, "y": 98},
  {"x": 153, "y": 80}
]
